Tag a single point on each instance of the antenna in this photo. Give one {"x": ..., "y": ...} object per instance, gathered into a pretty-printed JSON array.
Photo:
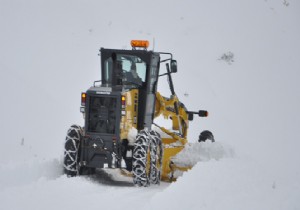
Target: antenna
[{"x": 153, "y": 43}]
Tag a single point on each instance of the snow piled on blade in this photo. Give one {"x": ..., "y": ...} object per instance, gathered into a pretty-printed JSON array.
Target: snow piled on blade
[{"x": 202, "y": 151}]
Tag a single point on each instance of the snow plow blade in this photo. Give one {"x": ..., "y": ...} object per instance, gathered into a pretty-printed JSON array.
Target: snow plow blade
[{"x": 170, "y": 170}]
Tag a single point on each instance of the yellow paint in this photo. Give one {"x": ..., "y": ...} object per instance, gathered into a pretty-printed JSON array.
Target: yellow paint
[
  {"x": 166, "y": 107},
  {"x": 127, "y": 120}
]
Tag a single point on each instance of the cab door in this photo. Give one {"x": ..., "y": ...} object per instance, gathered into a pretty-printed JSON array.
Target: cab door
[{"x": 152, "y": 79}]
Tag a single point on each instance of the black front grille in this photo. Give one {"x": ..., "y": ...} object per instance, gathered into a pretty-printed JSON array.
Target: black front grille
[{"x": 102, "y": 114}]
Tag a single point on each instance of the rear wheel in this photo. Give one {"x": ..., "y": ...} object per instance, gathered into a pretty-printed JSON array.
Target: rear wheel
[
  {"x": 206, "y": 135},
  {"x": 147, "y": 155},
  {"x": 71, "y": 152}
]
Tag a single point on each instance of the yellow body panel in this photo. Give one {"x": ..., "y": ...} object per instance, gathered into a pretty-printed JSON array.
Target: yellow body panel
[{"x": 129, "y": 112}]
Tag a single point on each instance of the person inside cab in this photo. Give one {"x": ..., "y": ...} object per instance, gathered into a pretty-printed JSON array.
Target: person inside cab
[
  {"x": 132, "y": 76},
  {"x": 135, "y": 74}
]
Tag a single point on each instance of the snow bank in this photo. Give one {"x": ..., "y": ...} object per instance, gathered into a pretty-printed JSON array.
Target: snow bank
[
  {"x": 28, "y": 172},
  {"x": 60, "y": 192},
  {"x": 230, "y": 184}
]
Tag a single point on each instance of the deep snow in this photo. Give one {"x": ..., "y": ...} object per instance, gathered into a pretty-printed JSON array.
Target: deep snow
[
  {"x": 49, "y": 56},
  {"x": 40, "y": 184}
]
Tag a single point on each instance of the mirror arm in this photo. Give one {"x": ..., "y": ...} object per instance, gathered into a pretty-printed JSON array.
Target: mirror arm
[
  {"x": 163, "y": 74},
  {"x": 166, "y": 60},
  {"x": 164, "y": 53}
]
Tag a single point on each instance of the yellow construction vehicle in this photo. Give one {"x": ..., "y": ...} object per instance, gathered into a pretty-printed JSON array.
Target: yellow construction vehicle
[{"x": 119, "y": 111}]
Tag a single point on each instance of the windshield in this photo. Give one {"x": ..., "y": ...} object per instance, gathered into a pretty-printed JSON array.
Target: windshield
[{"x": 129, "y": 69}]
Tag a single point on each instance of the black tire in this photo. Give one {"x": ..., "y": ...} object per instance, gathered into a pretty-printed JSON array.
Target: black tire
[
  {"x": 206, "y": 135},
  {"x": 146, "y": 163},
  {"x": 71, "y": 153},
  {"x": 140, "y": 159}
]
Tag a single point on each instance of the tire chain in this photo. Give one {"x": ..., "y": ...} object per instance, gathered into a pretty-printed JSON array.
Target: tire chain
[
  {"x": 72, "y": 143},
  {"x": 156, "y": 157},
  {"x": 145, "y": 141}
]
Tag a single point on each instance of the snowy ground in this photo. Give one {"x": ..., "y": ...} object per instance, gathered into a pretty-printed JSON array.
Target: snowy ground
[
  {"x": 240, "y": 60},
  {"x": 220, "y": 180},
  {"x": 40, "y": 184}
]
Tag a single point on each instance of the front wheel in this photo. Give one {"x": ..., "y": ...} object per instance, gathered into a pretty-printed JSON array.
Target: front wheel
[
  {"x": 71, "y": 152},
  {"x": 147, "y": 155}
]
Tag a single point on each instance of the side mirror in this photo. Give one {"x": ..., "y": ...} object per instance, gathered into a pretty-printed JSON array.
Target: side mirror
[{"x": 173, "y": 66}]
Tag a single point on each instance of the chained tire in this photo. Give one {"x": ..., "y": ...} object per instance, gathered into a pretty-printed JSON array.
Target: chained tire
[
  {"x": 147, "y": 159},
  {"x": 71, "y": 152}
]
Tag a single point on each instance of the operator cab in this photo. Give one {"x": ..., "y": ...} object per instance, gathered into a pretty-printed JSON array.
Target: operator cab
[{"x": 125, "y": 70}]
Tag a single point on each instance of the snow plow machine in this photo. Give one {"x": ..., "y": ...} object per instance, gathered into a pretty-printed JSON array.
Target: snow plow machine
[{"x": 119, "y": 110}]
